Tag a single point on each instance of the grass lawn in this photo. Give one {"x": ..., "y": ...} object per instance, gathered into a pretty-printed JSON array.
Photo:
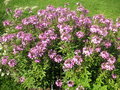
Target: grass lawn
[{"x": 110, "y": 8}]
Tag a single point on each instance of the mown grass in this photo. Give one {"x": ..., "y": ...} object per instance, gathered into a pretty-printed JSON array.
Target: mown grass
[{"x": 110, "y": 8}]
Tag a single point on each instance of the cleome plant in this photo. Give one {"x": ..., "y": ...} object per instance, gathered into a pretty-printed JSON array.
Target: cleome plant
[{"x": 61, "y": 49}]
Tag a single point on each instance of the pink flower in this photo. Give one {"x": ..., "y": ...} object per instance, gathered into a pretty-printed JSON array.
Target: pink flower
[
  {"x": 58, "y": 58},
  {"x": 118, "y": 38},
  {"x": 98, "y": 17},
  {"x": 118, "y": 47},
  {"x": 87, "y": 51},
  {"x": 62, "y": 19},
  {"x": 94, "y": 28},
  {"x": 65, "y": 32},
  {"x": 6, "y": 23},
  {"x": 12, "y": 63},
  {"x": 41, "y": 12},
  {"x": 22, "y": 79},
  {"x": 107, "y": 66},
  {"x": 52, "y": 53},
  {"x": 118, "y": 25},
  {"x": 82, "y": 9},
  {"x": 69, "y": 63},
  {"x": 41, "y": 47},
  {"x": 107, "y": 44},
  {"x": 87, "y": 22},
  {"x": 4, "y": 60},
  {"x": 98, "y": 49},
  {"x": 58, "y": 83},
  {"x": 19, "y": 27},
  {"x": 25, "y": 36},
  {"x": 104, "y": 54},
  {"x": 80, "y": 34},
  {"x": 37, "y": 60},
  {"x": 114, "y": 76},
  {"x": 18, "y": 13},
  {"x": 25, "y": 21},
  {"x": 16, "y": 49},
  {"x": 70, "y": 83},
  {"x": 20, "y": 34},
  {"x": 77, "y": 59},
  {"x": 96, "y": 40},
  {"x": 111, "y": 59},
  {"x": 50, "y": 8},
  {"x": 42, "y": 25},
  {"x": 8, "y": 37},
  {"x": 77, "y": 52},
  {"x": 103, "y": 32},
  {"x": 38, "y": 50},
  {"x": 65, "y": 37},
  {"x": 33, "y": 19},
  {"x": 64, "y": 29}
]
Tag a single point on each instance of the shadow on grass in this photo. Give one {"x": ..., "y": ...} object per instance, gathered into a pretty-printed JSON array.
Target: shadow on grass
[{"x": 2, "y": 16}]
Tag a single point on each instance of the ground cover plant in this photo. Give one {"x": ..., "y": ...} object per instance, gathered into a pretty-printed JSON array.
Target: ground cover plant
[{"x": 61, "y": 48}]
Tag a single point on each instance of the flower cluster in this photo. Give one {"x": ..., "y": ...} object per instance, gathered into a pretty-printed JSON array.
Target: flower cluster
[
  {"x": 69, "y": 83},
  {"x": 4, "y": 60},
  {"x": 25, "y": 37},
  {"x": 87, "y": 51},
  {"x": 8, "y": 37},
  {"x": 40, "y": 48},
  {"x": 80, "y": 34},
  {"x": 30, "y": 20},
  {"x": 54, "y": 56},
  {"x": 16, "y": 49},
  {"x": 6, "y": 23},
  {"x": 109, "y": 65},
  {"x": 10, "y": 62},
  {"x": 69, "y": 63},
  {"x": 96, "y": 40},
  {"x": 17, "y": 13},
  {"x": 19, "y": 27},
  {"x": 22, "y": 79},
  {"x": 82, "y": 9},
  {"x": 99, "y": 30},
  {"x": 58, "y": 83},
  {"x": 65, "y": 32}
]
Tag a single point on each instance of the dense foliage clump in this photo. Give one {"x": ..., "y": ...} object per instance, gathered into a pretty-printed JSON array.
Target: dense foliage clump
[{"x": 60, "y": 48}]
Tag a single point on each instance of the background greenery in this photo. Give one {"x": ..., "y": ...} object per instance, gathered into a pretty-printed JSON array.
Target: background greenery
[{"x": 110, "y": 8}]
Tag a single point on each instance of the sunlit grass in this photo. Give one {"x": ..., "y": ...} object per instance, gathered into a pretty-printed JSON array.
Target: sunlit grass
[{"x": 110, "y": 8}]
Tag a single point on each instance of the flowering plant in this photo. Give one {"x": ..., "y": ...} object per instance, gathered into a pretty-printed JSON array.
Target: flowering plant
[{"x": 61, "y": 48}]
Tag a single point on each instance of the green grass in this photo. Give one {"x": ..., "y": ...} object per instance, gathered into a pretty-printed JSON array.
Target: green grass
[{"x": 110, "y": 8}]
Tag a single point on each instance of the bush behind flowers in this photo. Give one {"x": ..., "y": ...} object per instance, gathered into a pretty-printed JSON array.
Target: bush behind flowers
[{"x": 61, "y": 48}]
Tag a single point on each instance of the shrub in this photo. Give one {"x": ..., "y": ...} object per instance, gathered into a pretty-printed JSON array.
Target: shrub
[{"x": 61, "y": 48}]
